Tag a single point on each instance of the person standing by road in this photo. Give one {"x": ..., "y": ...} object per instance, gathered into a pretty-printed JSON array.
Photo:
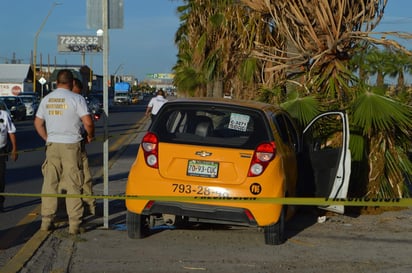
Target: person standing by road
[
  {"x": 7, "y": 138},
  {"x": 58, "y": 121},
  {"x": 89, "y": 203},
  {"x": 156, "y": 103}
]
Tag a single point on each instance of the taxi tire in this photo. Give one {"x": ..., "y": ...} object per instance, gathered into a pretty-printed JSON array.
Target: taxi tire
[
  {"x": 275, "y": 234},
  {"x": 137, "y": 225}
]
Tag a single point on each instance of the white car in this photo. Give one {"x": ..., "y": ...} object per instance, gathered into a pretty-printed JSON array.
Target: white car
[{"x": 31, "y": 103}]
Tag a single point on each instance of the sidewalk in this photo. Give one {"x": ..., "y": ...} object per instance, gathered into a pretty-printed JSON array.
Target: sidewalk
[{"x": 53, "y": 251}]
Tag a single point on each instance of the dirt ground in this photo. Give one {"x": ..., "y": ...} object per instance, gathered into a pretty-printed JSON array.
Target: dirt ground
[{"x": 374, "y": 242}]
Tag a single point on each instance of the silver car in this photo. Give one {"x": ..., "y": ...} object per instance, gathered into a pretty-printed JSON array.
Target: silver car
[{"x": 31, "y": 103}]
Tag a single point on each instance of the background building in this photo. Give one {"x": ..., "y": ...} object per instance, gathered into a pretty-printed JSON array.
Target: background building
[{"x": 15, "y": 78}]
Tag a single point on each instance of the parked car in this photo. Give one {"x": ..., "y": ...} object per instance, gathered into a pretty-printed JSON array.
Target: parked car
[
  {"x": 140, "y": 96},
  {"x": 16, "y": 106},
  {"x": 99, "y": 98},
  {"x": 209, "y": 160},
  {"x": 32, "y": 103},
  {"x": 134, "y": 99},
  {"x": 4, "y": 107},
  {"x": 93, "y": 104}
]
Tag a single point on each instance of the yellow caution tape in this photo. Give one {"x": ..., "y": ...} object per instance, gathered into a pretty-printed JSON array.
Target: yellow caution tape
[{"x": 307, "y": 201}]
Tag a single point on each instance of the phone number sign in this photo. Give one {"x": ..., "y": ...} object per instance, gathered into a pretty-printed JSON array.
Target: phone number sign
[{"x": 79, "y": 43}]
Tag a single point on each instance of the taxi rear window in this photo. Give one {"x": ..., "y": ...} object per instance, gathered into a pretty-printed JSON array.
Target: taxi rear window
[{"x": 208, "y": 125}]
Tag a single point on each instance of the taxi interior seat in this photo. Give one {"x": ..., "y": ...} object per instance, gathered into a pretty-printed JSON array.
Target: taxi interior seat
[{"x": 204, "y": 126}]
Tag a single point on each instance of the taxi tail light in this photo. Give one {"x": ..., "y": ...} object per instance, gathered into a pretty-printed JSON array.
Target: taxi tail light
[
  {"x": 149, "y": 204},
  {"x": 264, "y": 153},
  {"x": 249, "y": 215},
  {"x": 150, "y": 144}
]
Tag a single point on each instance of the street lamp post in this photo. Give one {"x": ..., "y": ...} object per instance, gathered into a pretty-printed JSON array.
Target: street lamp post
[
  {"x": 105, "y": 32},
  {"x": 36, "y": 37},
  {"x": 115, "y": 73}
]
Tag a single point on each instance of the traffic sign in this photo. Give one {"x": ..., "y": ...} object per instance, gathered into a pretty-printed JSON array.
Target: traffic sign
[{"x": 42, "y": 81}]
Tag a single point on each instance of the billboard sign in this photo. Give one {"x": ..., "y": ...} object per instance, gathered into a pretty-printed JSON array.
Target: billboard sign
[
  {"x": 11, "y": 89},
  {"x": 127, "y": 78},
  {"x": 79, "y": 43},
  {"x": 161, "y": 76}
]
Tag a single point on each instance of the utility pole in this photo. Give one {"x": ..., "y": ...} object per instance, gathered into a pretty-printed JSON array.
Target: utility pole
[{"x": 36, "y": 37}]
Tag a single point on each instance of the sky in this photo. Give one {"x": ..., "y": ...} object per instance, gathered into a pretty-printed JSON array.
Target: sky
[
  {"x": 397, "y": 17},
  {"x": 143, "y": 46}
]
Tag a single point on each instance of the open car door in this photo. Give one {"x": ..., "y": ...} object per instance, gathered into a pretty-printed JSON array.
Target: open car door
[{"x": 327, "y": 157}]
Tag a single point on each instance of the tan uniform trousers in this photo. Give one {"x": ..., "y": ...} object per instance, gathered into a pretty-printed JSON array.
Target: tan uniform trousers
[
  {"x": 88, "y": 181},
  {"x": 63, "y": 165}
]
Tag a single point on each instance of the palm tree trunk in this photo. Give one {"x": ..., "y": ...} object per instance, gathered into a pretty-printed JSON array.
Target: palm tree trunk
[
  {"x": 218, "y": 89},
  {"x": 401, "y": 82},
  {"x": 379, "y": 79},
  {"x": 376, "y": 164}
]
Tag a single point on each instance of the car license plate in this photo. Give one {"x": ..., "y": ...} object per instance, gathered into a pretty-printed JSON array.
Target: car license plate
[{"x": 202, "y": 168}]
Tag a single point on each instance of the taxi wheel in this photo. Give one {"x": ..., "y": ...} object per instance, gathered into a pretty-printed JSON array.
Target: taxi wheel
[
  {"x": 137, "y": 225},
  {"x": 275, "y": 234}
]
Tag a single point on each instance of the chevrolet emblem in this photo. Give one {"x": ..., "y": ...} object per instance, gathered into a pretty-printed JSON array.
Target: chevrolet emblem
[{"x": 203, "y": 153}]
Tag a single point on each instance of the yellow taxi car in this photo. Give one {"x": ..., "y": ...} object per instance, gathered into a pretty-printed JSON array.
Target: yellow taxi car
[
  {"x": 135, "y": 99},
  {"x": 211, "y": 160}
]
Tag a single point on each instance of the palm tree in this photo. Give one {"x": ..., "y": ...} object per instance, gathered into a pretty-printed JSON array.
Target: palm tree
[
  {"x": 322, "y": 36},
  {"x": 382, "y": 62},
  {"x": 358, "y": 62},
  {"x": 188, "y": 75},
  {"x": 376, "y": 60},
  {"x": 387, "y": 124},
  {"x": 399, "y": 65},
  {"x": 215, "y": 41},
  {"x": 308, "y": 44}
]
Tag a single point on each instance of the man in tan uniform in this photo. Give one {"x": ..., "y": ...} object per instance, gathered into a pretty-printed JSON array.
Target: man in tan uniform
[
  {"x": 90, "y": 203},
  {"x": 58, "y": 121}
]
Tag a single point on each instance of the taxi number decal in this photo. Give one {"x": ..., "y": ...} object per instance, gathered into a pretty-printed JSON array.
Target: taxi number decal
[{"x": 198, "y": 190}]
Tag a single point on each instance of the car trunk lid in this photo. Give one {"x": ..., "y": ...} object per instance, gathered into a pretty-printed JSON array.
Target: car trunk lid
[{"x": 204, "y": 163}]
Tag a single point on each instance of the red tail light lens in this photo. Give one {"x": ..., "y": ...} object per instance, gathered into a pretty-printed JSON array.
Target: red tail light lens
[
  {"x": 264, "y": 153},
  {"x": 150, "y": 145}
]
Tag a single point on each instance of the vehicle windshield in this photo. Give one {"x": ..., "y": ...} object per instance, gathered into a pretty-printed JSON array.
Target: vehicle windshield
[
  {"x": 98, "y": 97},
  {"x": 3, "y": 106},
  {"x": 9, "y": 101},
  {"x": 27, "y": 99},
  {"x": 223, "y": 126}
]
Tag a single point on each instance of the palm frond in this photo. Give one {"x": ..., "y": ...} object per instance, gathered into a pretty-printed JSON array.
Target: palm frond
[
  {"x": 357, "y": 146},
  {"x": 374, "y": 113},
  {"x": 302, "y": 109}
]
